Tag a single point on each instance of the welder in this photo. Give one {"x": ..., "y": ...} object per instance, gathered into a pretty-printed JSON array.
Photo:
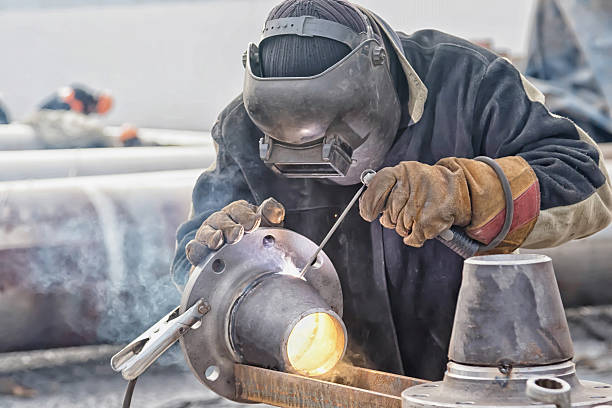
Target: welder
[
  {"x": 67, "y": 119},
  {"x": 80, "y": 99},
  {"x": 331, "y": 90}
]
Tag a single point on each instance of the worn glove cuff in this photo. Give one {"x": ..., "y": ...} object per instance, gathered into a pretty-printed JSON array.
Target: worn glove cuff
[{"x": 487, "y": 199}]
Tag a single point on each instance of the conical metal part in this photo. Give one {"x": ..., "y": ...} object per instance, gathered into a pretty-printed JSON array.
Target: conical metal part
[
  {"x": 509, "y": 312},
  {"x": 510, "y": 344}
]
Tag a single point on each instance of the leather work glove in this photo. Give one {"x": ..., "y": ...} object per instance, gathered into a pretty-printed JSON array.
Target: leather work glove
[
  {"x": 420, "y": 201},
  {"x": 230, "y": 224},
  {"x": 417, "y": 200}
]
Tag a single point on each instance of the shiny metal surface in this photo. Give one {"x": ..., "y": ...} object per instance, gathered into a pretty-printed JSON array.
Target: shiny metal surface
[
  {"x": 222, "y": 278},
  {"x": 137, "y": 356}
]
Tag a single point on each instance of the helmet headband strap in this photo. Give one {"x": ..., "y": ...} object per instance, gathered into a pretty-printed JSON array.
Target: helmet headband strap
[{"x": 309, "y": 26}]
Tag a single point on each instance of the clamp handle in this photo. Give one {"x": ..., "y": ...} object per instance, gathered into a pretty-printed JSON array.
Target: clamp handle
[{"x": 137, "y": 356}]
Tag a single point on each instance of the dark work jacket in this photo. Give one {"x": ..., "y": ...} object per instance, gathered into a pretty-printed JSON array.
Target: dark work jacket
[{"x": 399, "y": 301}]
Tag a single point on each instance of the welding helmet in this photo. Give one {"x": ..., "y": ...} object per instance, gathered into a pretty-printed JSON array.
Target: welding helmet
[{"x": 331, "y": 125}]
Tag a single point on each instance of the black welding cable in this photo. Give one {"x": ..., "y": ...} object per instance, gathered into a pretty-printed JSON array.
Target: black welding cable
[
  {"x": 127, "y": 399},
  {"x": 507, "y": 198}
]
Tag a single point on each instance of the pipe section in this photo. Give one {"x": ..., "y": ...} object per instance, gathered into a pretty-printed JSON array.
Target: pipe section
[
  {"x": 85, "y": 260},
  {"x": 42, "y": 164},
  {"x": 282, "y": 322}
]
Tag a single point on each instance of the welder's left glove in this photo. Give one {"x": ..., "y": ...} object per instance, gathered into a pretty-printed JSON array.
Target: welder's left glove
[{"x": 420, "y": 201}]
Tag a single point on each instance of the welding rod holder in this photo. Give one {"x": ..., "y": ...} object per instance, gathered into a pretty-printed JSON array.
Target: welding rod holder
[
  {"x": 137, "y": 356},
  {"x": 459, "y": 242}
]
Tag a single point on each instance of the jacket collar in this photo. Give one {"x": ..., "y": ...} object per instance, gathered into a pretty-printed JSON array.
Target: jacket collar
[{"x": 417, "y": 91}]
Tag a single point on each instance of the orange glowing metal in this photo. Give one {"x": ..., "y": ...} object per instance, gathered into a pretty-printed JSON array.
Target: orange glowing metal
[{"x": 315, "y": 344}]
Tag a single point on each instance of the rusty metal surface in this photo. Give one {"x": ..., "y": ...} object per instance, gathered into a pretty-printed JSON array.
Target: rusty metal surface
[
  {"x": 56, "y": 163},
  {"x": 293, "y": 391},
  {"x": 364, "y": 378}
]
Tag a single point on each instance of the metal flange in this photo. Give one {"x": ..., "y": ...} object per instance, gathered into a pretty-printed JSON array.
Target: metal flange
[
  {"x": 223, "y": 277},
  {"x": 473, "y": 386}
]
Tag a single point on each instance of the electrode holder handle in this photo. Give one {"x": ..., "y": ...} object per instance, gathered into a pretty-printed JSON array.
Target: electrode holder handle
[
  {"x": 464, "y": 246},
  {"x": 458, "y": 241}
]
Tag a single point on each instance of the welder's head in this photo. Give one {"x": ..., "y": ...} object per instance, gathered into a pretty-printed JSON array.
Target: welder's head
[
  {"x": 319, "y": 87},
  {"x": 105, "y": 103},
  {"x": 295, "y": 56}
]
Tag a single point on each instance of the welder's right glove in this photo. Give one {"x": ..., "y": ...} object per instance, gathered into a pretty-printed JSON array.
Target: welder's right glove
[
  {"x": 420, "y": 201},
  {"x": 230, "y": 224}
]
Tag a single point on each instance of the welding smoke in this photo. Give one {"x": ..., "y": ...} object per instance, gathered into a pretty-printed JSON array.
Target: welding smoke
[{"x": 86, "y": 260}]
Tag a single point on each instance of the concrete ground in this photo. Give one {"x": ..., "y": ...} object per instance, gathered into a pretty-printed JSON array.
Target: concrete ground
[
  {"x": 94, "y": 384},
  {"x": 90, "y": 382}
]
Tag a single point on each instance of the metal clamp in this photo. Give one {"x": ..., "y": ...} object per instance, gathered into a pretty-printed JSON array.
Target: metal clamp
[{"x": 137, "y": 356}]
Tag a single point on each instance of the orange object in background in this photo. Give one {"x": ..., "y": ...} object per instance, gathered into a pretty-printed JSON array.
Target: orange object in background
[
  {"x": 69, "y": 96},
  {"x": 128, "y": 132},
  {"x": 105, "y": 103}
]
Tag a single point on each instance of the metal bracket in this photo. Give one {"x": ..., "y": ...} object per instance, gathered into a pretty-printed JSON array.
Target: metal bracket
[
  {"x": 344, "y": 387},
  {"x": 137, "y": 356}
]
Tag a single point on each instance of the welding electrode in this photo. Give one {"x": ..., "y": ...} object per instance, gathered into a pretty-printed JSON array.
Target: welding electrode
[
  {"x": 366, "y": 176},
  {"x": 454, "y": 238}
]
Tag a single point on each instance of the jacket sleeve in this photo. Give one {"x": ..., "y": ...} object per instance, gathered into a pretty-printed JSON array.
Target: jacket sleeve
[
  {"x": 219, "y": 185},
  {"x": 575, "y": 196}
]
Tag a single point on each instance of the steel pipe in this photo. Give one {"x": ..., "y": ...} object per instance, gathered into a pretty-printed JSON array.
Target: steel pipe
[
  {"x": 42, "y": 164},
  {"x": 583, "y": 269},
  {"x": 18, "y": 136},
  {"x": 262, "y": 312},
  {"x": 167, "y": 137},
  {"x": 281, "y": 322},
  {"x": 86, "y": 259}
]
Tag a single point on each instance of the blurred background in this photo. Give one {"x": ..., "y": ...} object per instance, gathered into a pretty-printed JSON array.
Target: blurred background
[
  {"x": 176, "y": 64},
  {"x": 107, "y": 108}
]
